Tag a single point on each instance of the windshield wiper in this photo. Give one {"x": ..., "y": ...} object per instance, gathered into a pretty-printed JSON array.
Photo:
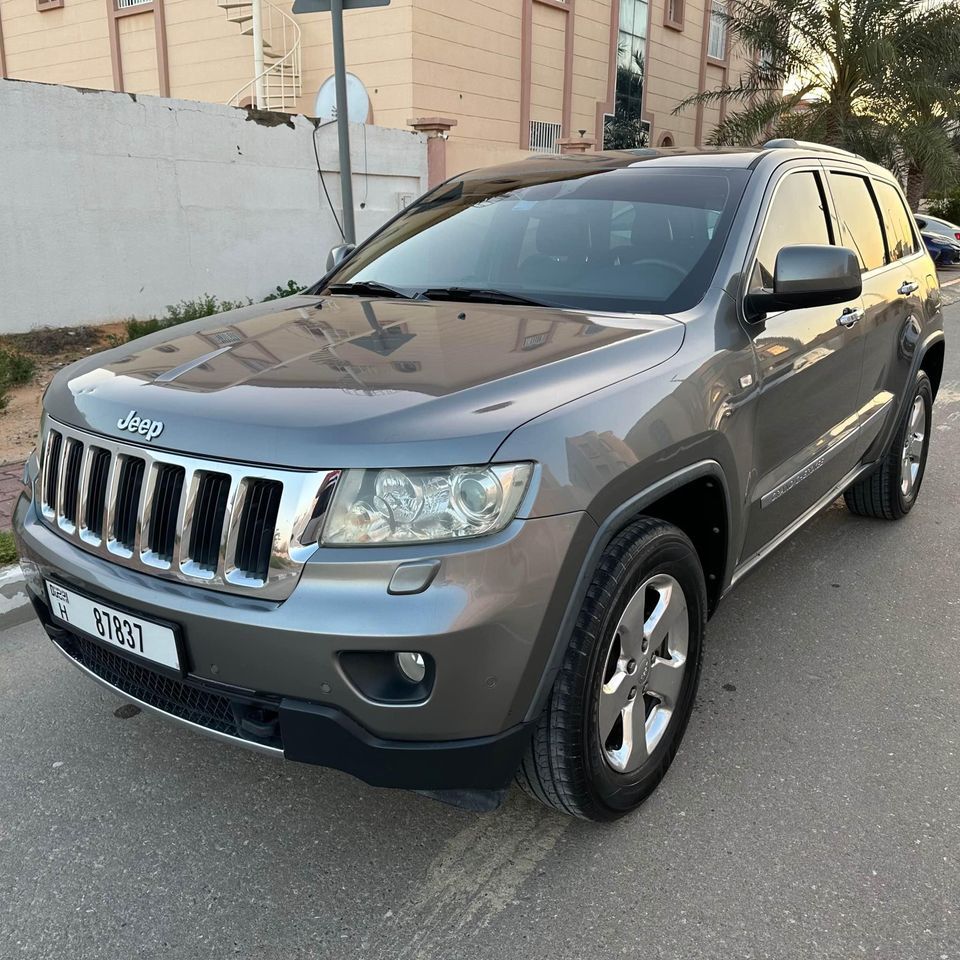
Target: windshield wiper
[
  {"x": 474, "y": 295},
  {"x": 373, "y": 288}
]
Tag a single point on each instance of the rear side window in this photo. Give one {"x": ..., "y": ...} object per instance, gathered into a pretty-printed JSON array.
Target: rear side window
[
  {"x": 859, "y": 219},
  {"x": 901, "y": 241},
  {"x": 797, "y": 215}
]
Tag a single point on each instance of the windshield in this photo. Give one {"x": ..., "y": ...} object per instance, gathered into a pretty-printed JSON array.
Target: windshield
[{"x": 629, "y": 240}]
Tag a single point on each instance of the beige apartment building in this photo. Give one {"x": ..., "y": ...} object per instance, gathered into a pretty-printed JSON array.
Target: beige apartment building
[{"x": 499, "y": 77}]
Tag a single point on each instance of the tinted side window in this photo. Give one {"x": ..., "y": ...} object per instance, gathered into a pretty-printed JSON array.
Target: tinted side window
[
  {"x": 858, "y": 215},
  {"x": 797, "y": 215},
  {"x": 901, "y": 241}
]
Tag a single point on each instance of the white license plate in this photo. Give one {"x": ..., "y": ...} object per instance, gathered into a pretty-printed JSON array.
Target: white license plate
[{"x": 144, "y": 638}]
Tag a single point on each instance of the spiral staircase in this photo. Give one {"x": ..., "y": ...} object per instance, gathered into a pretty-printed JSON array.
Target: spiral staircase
[{"x": 277, "y": 71}]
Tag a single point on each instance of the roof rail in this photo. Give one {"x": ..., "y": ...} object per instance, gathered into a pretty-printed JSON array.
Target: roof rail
[{"x": 788, "y": 143}]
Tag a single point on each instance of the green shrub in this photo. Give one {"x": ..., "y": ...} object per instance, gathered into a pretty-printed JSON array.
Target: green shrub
[
  {"x": 140, "y": 328},
  {"x": 291, "y": 289},
  {"x": 946, "y": 207},
  {"x": 182, "y": 312},
  {"x": 205, "y": 306},
  {"x": 15, "y": 370},
  {"x": 8, "y": 549}
]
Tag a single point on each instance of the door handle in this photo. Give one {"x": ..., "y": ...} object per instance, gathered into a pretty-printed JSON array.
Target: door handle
[
  {"x": 850, "y": 316},
  {"x": 908, "y": 287}
]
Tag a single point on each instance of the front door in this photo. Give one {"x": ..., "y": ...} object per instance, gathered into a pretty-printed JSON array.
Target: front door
[{"x": 809, "y": 364}]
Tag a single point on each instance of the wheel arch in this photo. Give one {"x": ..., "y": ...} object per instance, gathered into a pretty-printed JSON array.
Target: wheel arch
[
  {"x": 931, "y": 363},
  {"x": 695, "y": 498}
]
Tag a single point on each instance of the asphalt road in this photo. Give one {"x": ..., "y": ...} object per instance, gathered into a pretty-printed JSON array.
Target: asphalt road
[{"x": 812, "y": 811}]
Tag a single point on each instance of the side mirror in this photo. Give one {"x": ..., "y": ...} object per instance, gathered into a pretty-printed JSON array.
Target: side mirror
[
  {"x": 809, "y": 275},
  {"x": 338, "y": 254}
]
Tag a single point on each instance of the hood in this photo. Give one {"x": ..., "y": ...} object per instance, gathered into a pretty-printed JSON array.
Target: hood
[{"x": 340, "y": 381}]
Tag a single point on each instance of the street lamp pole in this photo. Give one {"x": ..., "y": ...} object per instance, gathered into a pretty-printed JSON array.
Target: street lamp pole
[
  {"x": 343, "y": 122},
  {"x": 336, "y": 8}
]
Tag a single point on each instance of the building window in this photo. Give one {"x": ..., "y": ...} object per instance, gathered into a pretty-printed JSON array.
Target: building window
[
  {"x": 544, "y": 136},
  {"x": 626, "y": 129},
  {"x": 124, "y": 4},
  {"x": 49, "y": 5},
  {"x": 717, "y": 45},
  {"x": 673, "y": 14}
]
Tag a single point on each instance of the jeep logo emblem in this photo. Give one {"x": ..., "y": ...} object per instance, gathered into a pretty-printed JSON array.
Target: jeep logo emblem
[{"x": 141, "y": 425}]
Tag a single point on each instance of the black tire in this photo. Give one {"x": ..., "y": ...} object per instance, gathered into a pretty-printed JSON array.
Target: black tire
[
  {"x": 566, "y": 765},
  {"x": 880, "y": 494}
]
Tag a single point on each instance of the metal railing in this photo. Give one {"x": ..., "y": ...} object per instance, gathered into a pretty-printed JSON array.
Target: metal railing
[
  {"x": 277, "y": 81},
  {"x": 544, "y": 136}
]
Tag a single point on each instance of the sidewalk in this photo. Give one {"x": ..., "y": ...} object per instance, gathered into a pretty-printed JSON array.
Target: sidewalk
[
  {"x": 14, "y": 606},
  {"x": 10, "y": 475}
]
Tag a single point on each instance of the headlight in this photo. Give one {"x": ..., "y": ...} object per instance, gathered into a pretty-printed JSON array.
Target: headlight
[{"x": 400, "y": 506}]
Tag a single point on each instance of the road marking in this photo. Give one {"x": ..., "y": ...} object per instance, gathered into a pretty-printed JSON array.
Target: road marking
[
  {"x": 951, "y": 283},
  {"x": 474, "y": 878}
]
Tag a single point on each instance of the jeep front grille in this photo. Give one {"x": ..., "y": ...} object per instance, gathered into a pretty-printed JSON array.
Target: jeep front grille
[{"x": 219, "y": 525}]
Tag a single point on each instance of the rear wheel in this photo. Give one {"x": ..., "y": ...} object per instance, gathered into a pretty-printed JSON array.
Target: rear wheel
[
  {"x": 891, "y": 490},
  {"x": 625, "y": 691}
]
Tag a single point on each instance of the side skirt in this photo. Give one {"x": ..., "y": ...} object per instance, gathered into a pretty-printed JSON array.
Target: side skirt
[{"x": 747, "y": 565}]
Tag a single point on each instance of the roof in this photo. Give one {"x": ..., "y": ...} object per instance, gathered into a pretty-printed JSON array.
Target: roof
[{"x": 542, "y": 166}]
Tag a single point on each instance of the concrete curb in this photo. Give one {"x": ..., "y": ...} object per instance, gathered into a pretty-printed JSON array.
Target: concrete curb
[{"x": 14, "y": 606}]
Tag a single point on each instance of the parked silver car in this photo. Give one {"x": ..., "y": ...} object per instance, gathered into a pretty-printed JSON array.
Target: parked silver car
[
  {"x": 459, "y": 513},
  {"x": 942, "y": 228}
]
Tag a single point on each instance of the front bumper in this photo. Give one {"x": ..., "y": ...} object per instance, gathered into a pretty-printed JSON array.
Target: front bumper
[{"x": 270, "y": 675}]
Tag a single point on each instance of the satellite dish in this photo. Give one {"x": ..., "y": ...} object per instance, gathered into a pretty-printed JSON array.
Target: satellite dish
[{"x": 358, "y": 100}]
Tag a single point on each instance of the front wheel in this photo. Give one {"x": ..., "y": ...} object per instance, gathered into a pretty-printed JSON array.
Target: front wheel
[
  {"x": 625, "y": 691},
  {"x": 890, "y": 491}
]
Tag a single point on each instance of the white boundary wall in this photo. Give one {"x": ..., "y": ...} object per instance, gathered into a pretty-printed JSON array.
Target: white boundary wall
[{"x": 113, "y": 206}]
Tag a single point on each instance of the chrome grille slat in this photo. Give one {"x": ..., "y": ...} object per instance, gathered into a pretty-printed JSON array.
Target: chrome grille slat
[
  {"x": 69, "y": 484},
  {"x": 147, "y": 510},
  {"x": 145, "y": 498},
  {"x": 83, "y": 492},
  {"x": 53, "y": 450},
  {"x": 110, "y": 501},
  {"x": 96, "y": 495},
  {"x": 204, "y": 546},
  {"x": 126, "y": 520},
  {"x": 256, "y": 527},
  {"x": 236, "y": 496},
  {"x": 161, "y": 512}
]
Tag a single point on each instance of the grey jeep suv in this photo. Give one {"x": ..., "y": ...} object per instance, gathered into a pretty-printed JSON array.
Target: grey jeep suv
[{"x": 459, "y": 513}]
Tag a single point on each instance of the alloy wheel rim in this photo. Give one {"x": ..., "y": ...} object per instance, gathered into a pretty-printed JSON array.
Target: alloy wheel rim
[
  {"x": 643, "y": 673},
  {"x": 913, "y": 442}
]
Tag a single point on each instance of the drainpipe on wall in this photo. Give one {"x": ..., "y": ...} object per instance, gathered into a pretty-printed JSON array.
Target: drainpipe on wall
[
  {"x": 3, "y": 59},
  {"x": 437, "y": 130}
]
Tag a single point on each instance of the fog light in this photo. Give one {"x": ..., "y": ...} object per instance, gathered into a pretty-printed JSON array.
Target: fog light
[{"x": 411, "y": 665}]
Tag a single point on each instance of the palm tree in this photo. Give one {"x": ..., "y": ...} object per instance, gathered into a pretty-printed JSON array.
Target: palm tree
[{"x": 879, "y": 77}]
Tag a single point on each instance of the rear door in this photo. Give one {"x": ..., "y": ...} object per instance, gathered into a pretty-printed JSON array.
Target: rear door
[
  {"x": 809, "y": 364},
  {"x": 873, "y": 220}
]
